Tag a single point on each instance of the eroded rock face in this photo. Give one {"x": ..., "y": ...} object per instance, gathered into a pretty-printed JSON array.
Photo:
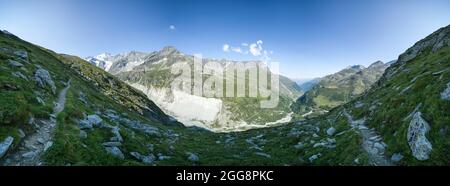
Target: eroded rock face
[
  {"x": 419, "y": 144},
  {"x": 43, "y": 79},
  {"x": 5, "y": 144}
]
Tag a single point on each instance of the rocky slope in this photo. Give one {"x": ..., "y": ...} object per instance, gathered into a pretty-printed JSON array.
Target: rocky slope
[
  {"x": 151, "y": 73},
  {"x": 338, "y": 88},
  {"x": 402, "y": 119}
]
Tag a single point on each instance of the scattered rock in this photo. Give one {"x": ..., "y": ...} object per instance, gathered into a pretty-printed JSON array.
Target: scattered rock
[
  {"x": 419, "y": 144},
  {"x": 331, "y": 131},
  {"x": 5, "y": 144},
  {"x": 43, "y": 78},
  {"x": 445, "y": 95},
  {"x": 15, "y": 63},
  {"x": 163, "y": 157},
  {"x": 263, "y": 154},
  {"x": 144, "y": 159},
  {"x": 19, "y": 75},
  {"x": 150, "y": 130},
  {"x": 359, "y": 104},
  {"x": 115, "y": 151},
  {"x": 150, "y": 147},
  {"x": 48, "y": 145},
  {"x": 40, "y": 101},
  {"x": 83, "y": 134},
  {"x": 90, "y": 121},
  {"x": 396, "y": 157},
  {"x": 30, "y": 154},
  {"x": 22, "y": 54},
  {"x": 192, "y": 156},
  {"x": 299, "y": 145},
  {"x": 82, "y": 98},
  {"x": 112, "y": 144},
  {"x": 21, "y": 133},
  {"x": 314, "y": 157},
  {"x": 117, "y": 137}
]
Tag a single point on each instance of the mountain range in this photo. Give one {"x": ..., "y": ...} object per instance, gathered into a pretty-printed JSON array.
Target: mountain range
[
  {"x": 338, "y": 88},
  {"x": 58, "y": 109},
  {"x": 151, "y": 73}
]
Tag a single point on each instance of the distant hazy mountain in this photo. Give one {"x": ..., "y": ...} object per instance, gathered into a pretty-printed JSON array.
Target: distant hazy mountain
[
  {"x": 339, "y": 88},
  {"x": 306, "y": 84}
]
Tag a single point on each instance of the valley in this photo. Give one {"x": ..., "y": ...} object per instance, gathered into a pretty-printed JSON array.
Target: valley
[{"x": 58, "y": 109}]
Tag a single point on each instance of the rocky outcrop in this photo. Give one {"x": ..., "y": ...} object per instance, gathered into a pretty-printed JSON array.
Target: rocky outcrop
[
  {"x": 43, "y": 79},
  {"x": 417, "y": 140},
  {"x": 435, "y": 41},
  {"x": 5, "y": 144}
]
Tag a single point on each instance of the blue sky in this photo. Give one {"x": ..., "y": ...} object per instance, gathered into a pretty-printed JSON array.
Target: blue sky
[{"x": 309, "y": 38}]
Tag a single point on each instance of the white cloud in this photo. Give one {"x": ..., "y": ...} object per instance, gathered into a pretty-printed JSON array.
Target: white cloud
[
  {"x": 226, "y": 47},
  {"x": 237, "y": 49},
  {"x": 172, "y": 27},
  {"x": 255, "y": 49}
]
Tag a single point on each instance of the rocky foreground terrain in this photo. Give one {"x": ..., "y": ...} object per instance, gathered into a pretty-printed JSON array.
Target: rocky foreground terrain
[{"x": 61, "y": 110}]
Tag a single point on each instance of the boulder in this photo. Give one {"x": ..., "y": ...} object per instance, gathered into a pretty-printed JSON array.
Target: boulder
[
  {"x": 83, "y": 134},
  {"x": 314, "y": 157},
  {"x": 445, "y": 95},
  {"x": 150, "y": 130},
  {"x": 299, "y": 145},
  {"x": 115, "y": 151},
  {"x": 331, "y": 131},
  {"x": 15, "y": 63},
  {"x": 43, "y": 78},
  {"x": 117, "y": 137},
  {"x": 263, "y": 154},
  {"x": 359, "y": 104},
  {"x": 30, "y": 154},
  {"x": 90, "y": 121},
  {"x": 416, "y": 137},
  {"x": 192, "y": 156},
  {"x": 396, "y": 157},
  {"x": 5, "y": 144},
  {"x": 19, "y": 75},
  {"x": 144, "y": 159},
  {"x": 22, "y": 54}
]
